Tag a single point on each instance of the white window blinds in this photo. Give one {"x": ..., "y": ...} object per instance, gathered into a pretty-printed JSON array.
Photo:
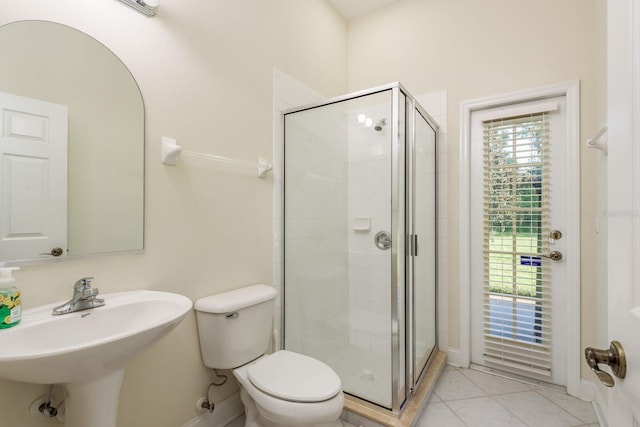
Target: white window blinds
[{"x": 517, "y": 292}]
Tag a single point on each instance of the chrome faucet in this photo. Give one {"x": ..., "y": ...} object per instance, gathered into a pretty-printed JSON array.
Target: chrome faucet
[{"x": 84, "y": 297}]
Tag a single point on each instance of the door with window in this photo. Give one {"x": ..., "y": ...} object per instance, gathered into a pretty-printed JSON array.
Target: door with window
[{"x": 518, "y": 251}]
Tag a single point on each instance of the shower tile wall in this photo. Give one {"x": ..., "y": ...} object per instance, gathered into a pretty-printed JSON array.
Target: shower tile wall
[
  {"x": 287, "y": 93},
  {"x": 369, "y": 211},
  {"x": 369, "y": 193},
  {"x": 316, "y": 235}
]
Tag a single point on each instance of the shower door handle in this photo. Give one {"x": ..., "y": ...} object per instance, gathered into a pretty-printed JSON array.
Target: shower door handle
[{"x": 413, "y": 245}]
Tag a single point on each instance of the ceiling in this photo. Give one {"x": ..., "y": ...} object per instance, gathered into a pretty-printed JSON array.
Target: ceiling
[{"x": 355, "y": 8}]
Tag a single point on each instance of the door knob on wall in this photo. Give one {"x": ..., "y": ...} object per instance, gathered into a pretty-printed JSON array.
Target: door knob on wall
[{"x": 614, "y": 357}]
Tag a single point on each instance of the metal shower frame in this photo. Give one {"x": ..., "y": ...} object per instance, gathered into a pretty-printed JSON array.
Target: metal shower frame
[{"x": 403, "y": 165}]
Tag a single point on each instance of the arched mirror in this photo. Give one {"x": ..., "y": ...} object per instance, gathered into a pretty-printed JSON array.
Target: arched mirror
[{"x": 71, "y": 146}]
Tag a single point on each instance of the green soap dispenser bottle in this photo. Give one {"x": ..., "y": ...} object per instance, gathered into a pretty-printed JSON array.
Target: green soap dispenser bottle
[{"x": 10, "y": 303}]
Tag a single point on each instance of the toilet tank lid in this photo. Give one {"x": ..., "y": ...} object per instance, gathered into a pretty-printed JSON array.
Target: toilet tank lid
[{"x": 237, "y": 299}]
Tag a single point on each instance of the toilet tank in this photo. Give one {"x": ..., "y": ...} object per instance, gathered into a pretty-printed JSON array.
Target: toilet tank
[{"x": 234, "y": 327}]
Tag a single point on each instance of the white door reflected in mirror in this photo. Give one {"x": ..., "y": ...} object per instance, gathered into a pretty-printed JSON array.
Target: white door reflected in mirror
[{"x": 33, "y": 177}]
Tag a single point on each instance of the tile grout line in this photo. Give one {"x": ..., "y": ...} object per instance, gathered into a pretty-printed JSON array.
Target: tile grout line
[
  {"x": 494, "y": 400},
  {"x": 455, "y": 414},
  {"x": 570, "y": 414},
  {"x": 491, "y": 396},
  {"x": 532, "y": 387},
  {"x": 494, "y": 397},
  {"x": 511, "y": 412}
]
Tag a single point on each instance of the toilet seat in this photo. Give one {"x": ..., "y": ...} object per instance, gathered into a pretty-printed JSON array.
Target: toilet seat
[
  {"x": 294, "y": 377},
  {"x": 285, "y": 412}
]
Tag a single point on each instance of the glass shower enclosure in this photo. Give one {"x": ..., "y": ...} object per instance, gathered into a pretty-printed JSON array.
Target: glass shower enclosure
[{"x": 359, "y": 256}]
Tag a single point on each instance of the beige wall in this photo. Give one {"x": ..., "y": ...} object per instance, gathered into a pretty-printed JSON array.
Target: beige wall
[
  {"x": 205, "y": 70},
  {"x": 476, "y": 49}
]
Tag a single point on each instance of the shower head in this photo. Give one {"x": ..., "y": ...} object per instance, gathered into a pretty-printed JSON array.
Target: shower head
[{"x": 381, "y": 123}]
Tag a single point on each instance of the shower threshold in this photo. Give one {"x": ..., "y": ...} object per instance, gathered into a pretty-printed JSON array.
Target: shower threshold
[{"x": 411, "y": 410}]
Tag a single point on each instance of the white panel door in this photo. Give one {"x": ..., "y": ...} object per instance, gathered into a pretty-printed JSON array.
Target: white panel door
[
  {"x": 624, "y": 204},
  {"x": 33, "y": 177}
]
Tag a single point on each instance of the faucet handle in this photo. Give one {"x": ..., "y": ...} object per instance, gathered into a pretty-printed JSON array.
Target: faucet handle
[{"x": 85, "y": 282}]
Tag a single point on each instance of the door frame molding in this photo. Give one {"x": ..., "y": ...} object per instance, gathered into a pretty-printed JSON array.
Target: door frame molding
[{"x": 571, "y": 91}]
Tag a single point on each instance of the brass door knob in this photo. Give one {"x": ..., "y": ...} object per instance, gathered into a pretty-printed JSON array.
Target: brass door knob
[
  {"x": 54, "y": 252},
  {"x": 555, "y": 234},
  {"x": 553, "y": 256},
  {"x": 614, "y": 357}
]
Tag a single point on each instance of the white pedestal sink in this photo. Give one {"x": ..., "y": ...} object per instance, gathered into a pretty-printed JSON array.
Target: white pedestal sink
[{"x": 87, "y": 351}]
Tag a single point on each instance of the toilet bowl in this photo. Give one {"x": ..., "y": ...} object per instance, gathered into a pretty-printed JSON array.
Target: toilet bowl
[
  {"x": 283, "y": 389},
  {"x": 289, "y": 389}
]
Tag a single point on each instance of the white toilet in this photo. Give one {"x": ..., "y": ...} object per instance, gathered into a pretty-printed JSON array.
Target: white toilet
[{"x": 281, "y": 389}]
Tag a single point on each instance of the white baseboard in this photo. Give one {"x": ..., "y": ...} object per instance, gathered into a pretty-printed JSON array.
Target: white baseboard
[
  {"x": 225, "y": 412},
  {"x": 590, "y": 392},
  {"x": 587, "y": 390},
  {"x": 601, "y": 405},
  {"x": 453, "y": 357}
]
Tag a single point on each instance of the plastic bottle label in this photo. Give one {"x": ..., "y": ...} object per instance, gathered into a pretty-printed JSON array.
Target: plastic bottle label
[
  {"x": 10, "y": 309},
  {"x": 15, "y": 313}
]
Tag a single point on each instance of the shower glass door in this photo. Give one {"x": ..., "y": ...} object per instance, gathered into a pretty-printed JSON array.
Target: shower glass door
[
  {"x": 337, "y": 241},
  {"x": 423, "y": 221},
  {"x": 359, "y": 266}
]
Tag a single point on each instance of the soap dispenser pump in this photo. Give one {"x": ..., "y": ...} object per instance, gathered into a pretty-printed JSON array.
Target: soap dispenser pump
[{"x": 10, "y": 303}]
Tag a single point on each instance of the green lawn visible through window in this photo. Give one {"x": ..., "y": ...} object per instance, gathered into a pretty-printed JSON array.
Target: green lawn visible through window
[{"x": 501, "y": 274}]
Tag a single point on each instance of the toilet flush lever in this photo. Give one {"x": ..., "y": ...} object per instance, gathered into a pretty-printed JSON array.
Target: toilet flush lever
[{"x": 233, "y": 315}]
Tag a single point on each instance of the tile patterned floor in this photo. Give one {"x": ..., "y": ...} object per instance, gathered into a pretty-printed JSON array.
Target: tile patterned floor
[{"x": 471, "y": 398}]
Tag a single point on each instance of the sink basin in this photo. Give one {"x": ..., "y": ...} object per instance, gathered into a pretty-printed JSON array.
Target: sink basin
[{"x": 88, "y": 350}]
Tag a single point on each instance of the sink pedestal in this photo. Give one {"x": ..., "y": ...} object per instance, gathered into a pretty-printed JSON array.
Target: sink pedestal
[{"x": 93, "y": 403}]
